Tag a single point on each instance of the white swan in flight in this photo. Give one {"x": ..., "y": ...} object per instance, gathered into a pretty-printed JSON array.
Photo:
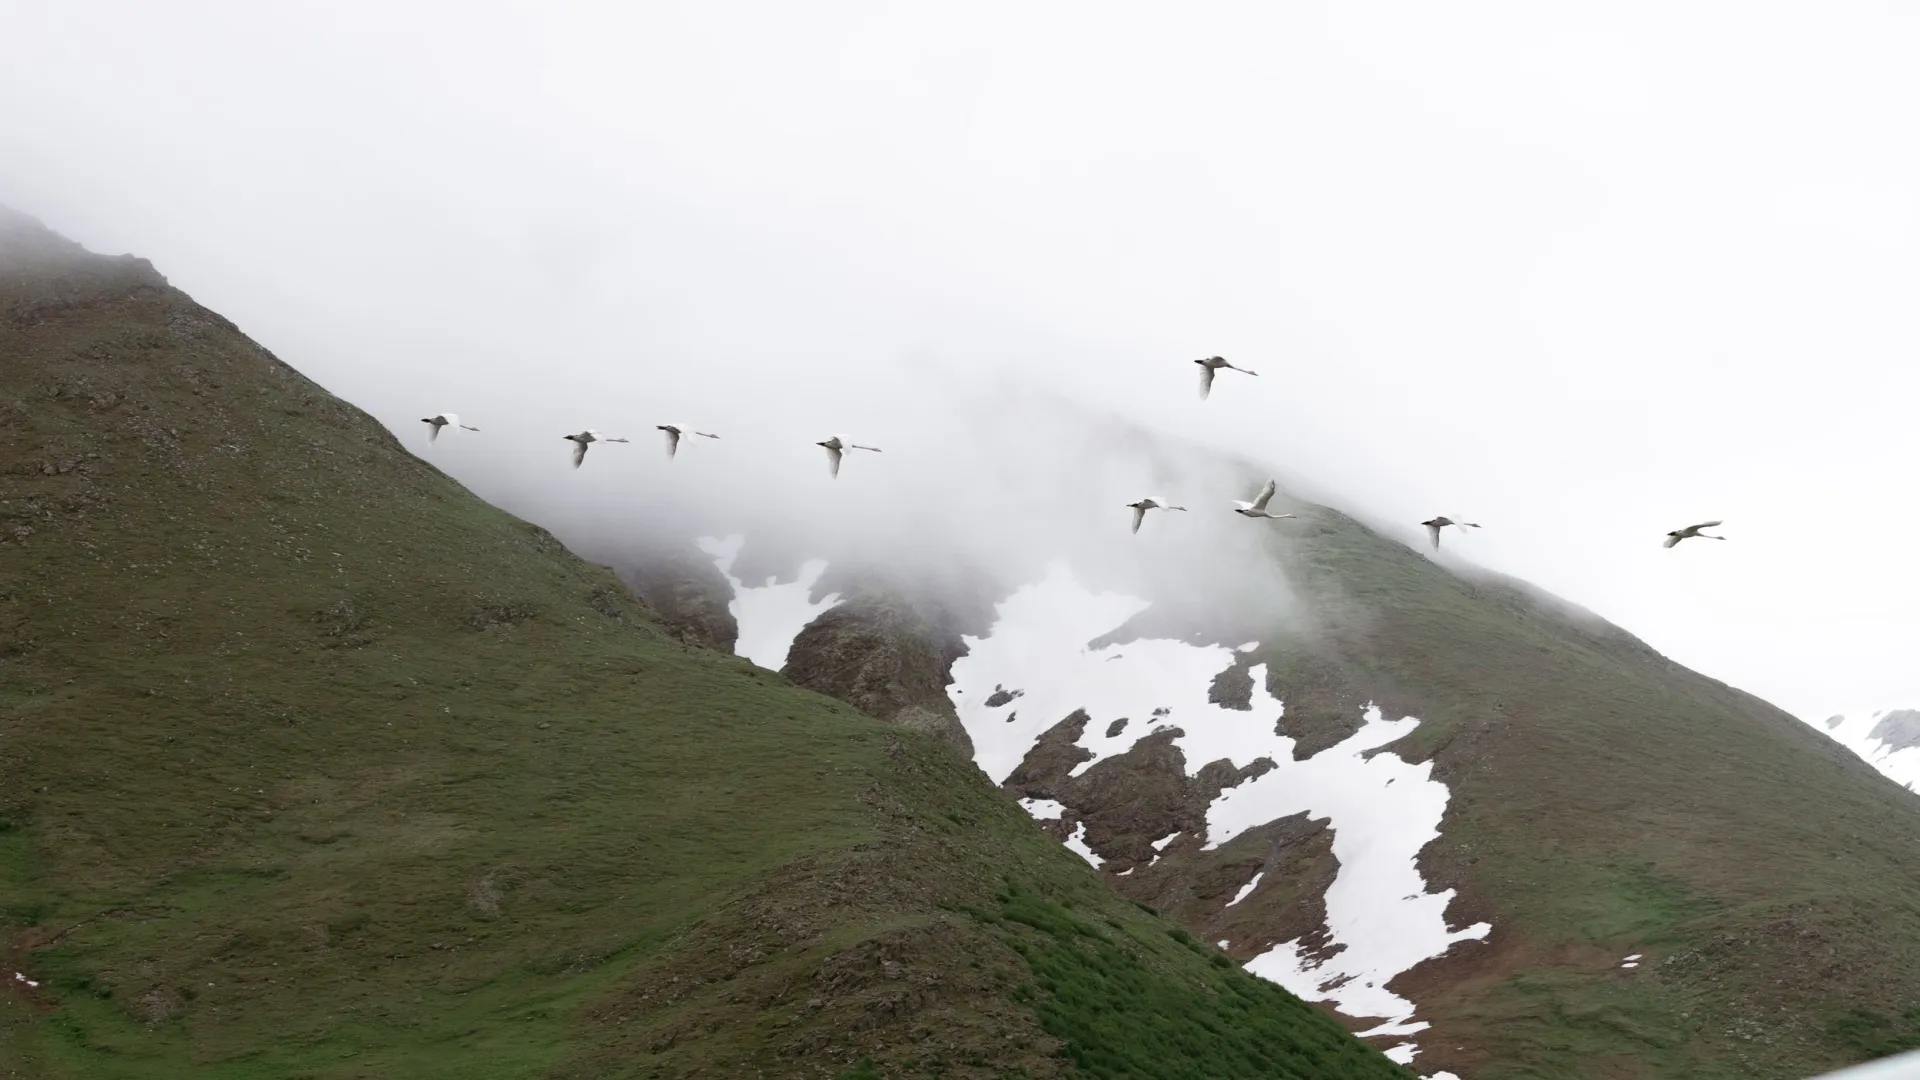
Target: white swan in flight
[
  {"x": 1434, "y": 525},
  {"x": 1258, "y": 507},
  {"x": 674, "y": 431},
  {"x": 580, "y": 441},
  {"x": 1678, "y": 535},
  {"x": 1210, "y": 365},
  {"x": 1151, "y": 502},
  {"x": 440, "y": 420},
  {"x": 837, "y": 445}
]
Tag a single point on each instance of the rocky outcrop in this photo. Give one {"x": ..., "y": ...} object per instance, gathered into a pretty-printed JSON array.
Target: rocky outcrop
[
  {"x": 887, "y": 656},
  {"x": 1146, "y": 820},
  {"x": 689, "y": 595}
]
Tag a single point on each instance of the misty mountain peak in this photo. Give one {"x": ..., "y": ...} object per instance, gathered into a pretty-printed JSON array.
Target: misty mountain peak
[{"x": 35, "y": 259}]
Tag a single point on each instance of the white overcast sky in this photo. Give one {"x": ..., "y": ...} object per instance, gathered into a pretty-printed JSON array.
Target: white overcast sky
[{"x": 1583, "y": 273}]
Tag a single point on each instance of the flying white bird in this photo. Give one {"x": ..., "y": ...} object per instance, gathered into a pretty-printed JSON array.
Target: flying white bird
[
  {"x": 1258, "y": 507},
  {"x": 1151, "y": 502},
  {"x": 1210, "y": 365},
  {"x": 674, "y": 431},
  {"x": 1436, "y": 524},
  {"x": 836, "y": 446},
  {"x": 1678, "y": 535},
  {"x": 439, "y": 420},
  {"x": 581, "y": 440}
]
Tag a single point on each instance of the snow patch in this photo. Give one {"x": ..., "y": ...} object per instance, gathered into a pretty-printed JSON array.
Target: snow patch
[
  {"x": 769, "y": 616},
  {"x": 1402, "y": 1054},
  {"x": 1382, "y": 809},
  {"x": 1883, "y": 738},
  {"x": 1043, "y": 809},
  {"x": 1161, "y": 844},
  {"x": 1077, "y": 843},
  {"x": 1247, "y": 888},
  {"x": 1631, "y": 964}
]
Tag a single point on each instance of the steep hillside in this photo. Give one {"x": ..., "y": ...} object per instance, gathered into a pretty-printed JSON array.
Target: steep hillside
[
  {"x": 312, "y": 764},
  {"x": 1637, "y": 871}
]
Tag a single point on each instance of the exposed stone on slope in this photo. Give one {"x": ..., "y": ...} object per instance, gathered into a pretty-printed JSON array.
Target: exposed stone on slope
[
  {"x": 688, "y": 594},
  {"x": 1130, "y": 801},
  {"x": 1002, "y": 696},
  {"x": 886, "y": 656}
]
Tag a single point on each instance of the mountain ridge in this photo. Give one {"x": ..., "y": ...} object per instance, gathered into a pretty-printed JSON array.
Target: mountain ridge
[
  {"x": 1601, "y": 801},
  {"x": 1605, "y": 802},
  {"x": 317, "y": 765}
]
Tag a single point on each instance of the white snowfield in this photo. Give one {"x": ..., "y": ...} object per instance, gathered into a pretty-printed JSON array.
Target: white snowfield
[
  {"x": 1876, "y": 736},
  {"x": 1382, "y": 810},
  {"x": 769, "y": 616}
]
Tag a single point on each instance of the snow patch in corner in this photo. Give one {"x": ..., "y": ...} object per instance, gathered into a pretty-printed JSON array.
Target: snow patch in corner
[
  {"x": 1887, "y": 739},
  {"x": 768, "y": 616}
]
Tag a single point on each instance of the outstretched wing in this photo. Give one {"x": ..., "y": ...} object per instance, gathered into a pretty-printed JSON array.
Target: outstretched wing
[
  {"x": 1672, "y": 539},
  {"x": 1706, "y": 525},
  {"x": 673, "y": 440},
  {"x": 433, "y": 431},
  {"x": 1206, "y": 381},
  {"x": 579, "y": 453},
  {"x": 1433, "y": 531},
  {"x": 1260, "y": 500},
  {"x": 833, "y": 461},
  {"x": 1139, "y": 515}
]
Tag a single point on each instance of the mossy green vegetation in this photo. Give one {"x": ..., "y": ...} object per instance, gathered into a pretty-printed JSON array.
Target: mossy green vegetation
[{"x": 1106, "y": 989}]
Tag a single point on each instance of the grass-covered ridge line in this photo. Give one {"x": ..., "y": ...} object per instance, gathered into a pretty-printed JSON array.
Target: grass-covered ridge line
[{"x": 314, "y": 765}]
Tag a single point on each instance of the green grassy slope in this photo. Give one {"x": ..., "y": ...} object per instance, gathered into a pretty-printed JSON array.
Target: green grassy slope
[
  {"x": 313, "y": 765},
  {"x": 1606, "y": 801}
]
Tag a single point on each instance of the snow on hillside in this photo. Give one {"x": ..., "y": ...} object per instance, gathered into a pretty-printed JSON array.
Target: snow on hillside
[
  {"x": 769, "y": 615},
  {"x": 1382, "y": 810},
  {"x": 1888, "y": 739}
]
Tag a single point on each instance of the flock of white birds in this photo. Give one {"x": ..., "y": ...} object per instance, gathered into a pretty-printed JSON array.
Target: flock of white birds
[{"x": 838, "y": 446}]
